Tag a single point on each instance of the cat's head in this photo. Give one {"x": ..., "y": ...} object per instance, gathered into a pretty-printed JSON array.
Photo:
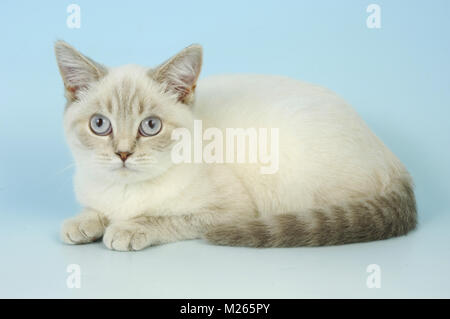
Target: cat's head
[{"x": 118, "y": 121}]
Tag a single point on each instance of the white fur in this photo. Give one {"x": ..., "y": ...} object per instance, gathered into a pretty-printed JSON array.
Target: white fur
[{"x": 327, "y": 155}]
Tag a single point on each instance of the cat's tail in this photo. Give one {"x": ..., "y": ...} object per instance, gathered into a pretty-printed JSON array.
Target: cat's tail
[{"x": 381, "y": 217}]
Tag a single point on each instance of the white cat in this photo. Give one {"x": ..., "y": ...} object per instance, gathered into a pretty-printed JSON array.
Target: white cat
[{"x": 336, "y": 183}]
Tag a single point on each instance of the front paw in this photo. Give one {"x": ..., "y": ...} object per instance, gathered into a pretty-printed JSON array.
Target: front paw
[
  {"x": 81, "y": 230},
  {"x": 126, "y": 236}
]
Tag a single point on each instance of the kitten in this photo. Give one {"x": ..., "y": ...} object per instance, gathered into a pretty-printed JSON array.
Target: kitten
[{"x": 337, "y": 183}]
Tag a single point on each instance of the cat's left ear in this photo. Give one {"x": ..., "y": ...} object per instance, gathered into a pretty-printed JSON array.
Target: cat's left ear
[{"x": 180, "y": 73}]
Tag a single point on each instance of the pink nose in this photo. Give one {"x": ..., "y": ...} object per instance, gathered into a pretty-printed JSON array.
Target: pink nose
[{"x": 123, "y": 155}]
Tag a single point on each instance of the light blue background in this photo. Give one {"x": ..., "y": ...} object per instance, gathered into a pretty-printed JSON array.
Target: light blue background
[{"x": 397, "y": 77}]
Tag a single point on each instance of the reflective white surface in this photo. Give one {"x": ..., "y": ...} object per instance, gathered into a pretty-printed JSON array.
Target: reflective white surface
[{"x": 34, "y": 264}]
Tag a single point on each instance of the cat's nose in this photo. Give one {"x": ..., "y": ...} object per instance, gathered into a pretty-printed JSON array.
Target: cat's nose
[{"x": 123, "y": 155}]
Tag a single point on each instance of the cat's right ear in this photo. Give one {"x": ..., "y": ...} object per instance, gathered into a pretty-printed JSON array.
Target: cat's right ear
[{"x": 77, "y": 70}]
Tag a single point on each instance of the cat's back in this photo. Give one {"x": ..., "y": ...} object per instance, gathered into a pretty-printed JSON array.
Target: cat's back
[
  {"x": 251, "y": 98},
  {"x": 302, "y": 111},
  {"x": 321, "y": 138},
  {"x": 259, "y": 87}
]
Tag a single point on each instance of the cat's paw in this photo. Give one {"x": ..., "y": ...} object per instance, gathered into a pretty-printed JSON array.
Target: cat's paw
[
  {"x": 81, "y": 230},
  {"x": 126, "y": 236}
]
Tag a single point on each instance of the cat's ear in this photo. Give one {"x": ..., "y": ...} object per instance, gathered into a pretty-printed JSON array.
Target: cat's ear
[
  {"x": 180, "y": 73},
  {"x": 77, "y": 70}
]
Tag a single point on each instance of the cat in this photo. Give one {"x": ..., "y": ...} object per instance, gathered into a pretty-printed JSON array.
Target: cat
[{"x": 337, "y": 183}]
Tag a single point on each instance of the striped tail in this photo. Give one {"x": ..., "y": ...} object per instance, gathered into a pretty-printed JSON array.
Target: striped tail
[{"x": 380, "y": 217}]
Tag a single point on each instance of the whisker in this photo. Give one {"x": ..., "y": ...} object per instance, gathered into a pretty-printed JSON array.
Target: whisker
[{"x": 65, "y": 168}]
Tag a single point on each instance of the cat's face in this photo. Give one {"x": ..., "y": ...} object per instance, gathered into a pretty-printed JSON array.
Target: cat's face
[{"x": 118, "y": 122}]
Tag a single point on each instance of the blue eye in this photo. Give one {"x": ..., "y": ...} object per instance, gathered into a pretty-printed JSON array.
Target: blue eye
[
  {"x": 150, "y": 126},
  {"x": 100, "y": 125}
]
